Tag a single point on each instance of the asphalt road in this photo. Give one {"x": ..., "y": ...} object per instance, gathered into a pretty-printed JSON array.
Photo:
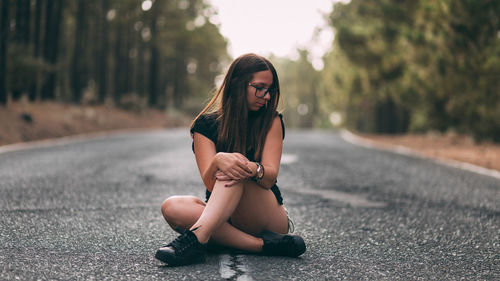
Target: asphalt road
[{"x": 90, "y": 210}]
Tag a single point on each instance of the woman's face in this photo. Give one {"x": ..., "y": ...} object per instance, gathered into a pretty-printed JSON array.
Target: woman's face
[{"x": 259, "y": 84}]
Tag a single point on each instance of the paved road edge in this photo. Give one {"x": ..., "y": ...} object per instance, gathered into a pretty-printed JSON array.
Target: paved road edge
[
  {"x": 72, "y": 139},
  {"x": 345, "y": 134}
]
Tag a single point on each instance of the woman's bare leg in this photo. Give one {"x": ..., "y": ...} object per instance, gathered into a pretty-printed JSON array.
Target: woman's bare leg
[
  {"x": 258, "y": 210},
  {"x": 223, "y": 201},
  {"x": 184, "y": 212},
  {"x": 251, "y": 208}
]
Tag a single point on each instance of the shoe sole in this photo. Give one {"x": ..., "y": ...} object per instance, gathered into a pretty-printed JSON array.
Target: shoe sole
[
  {"x": 298, "y": 249},
  {"x": 173, "y": 261}
]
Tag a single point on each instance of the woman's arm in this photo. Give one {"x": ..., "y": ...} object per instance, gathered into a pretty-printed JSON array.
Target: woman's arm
[
  {"x": 271, "y": 155},
  {"x": 234, "y": 165},
  {"x": 204, "y": 152}
]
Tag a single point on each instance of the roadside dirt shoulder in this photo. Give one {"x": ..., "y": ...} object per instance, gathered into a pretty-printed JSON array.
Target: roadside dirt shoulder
[
  {"x": 453, "y": 147},
  {"x": 21, "y": 122}
]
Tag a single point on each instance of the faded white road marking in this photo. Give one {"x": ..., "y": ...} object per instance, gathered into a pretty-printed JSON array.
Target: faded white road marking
[
  {"x": 225, "y": 267},
  {"x": 232, "y": 266},
  {"x": 351, "y": 199},
  {"x": 350, "y": 137},
  {"x": 288, "y": 158}
]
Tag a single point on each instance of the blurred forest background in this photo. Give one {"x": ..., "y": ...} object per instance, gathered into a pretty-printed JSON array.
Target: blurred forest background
[
  {"x": 126, "y": 52},
  {"x": 395, "y": 66}
]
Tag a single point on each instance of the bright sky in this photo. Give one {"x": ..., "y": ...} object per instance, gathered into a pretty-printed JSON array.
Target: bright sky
[{"x": 275, "y": 26}]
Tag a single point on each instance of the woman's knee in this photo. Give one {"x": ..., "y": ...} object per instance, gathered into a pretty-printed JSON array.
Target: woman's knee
[
  {"x": 175, "y": 208},
  {"x": 170, "y": 207}
]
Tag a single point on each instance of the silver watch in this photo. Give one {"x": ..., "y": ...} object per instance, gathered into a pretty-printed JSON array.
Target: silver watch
[{"x": 260, "y": 172}]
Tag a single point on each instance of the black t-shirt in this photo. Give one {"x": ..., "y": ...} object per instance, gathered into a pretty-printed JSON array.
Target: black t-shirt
[{"x": 208, "y": 125}]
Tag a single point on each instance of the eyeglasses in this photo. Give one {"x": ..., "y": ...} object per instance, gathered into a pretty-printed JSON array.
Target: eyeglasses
[{"x": 261, "y": 92}]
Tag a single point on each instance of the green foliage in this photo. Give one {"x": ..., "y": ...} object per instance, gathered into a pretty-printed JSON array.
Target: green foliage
[
  {"x": 398, "y": 66},
  {"x": 298, "y": 87}
]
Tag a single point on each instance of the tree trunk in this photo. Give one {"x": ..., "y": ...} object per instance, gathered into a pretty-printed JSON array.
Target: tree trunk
[
  {"x": 132, "y": 59},
  {"x": 17, "y": 32},
  {"x": 76, "y": 66},
  {"x": 47, "y": 46},
  {"x": 4, "y": 36},
  {"x": 102, "y": 70},
  {"x": 154, "y": 66},
  {"x": 126, "y": 64},
  {"x": 26, "y": 22},
  {"x": 118, "y": 65},
  {"x": 21, "y": 35},
  {"x": 141, "y": 67},
  {"x": 53, "y": 21},
  {"x": 180, "y": 77},
  {"x": 36, "y": 51}
]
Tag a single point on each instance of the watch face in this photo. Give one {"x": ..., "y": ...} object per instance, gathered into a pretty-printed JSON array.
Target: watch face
[{"x": 260, "y": 171}]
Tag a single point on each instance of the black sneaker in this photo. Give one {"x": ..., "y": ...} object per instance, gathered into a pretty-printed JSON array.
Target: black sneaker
[
  {"x": 276, "y": 244},
  {"x": 184, "y": 250}
]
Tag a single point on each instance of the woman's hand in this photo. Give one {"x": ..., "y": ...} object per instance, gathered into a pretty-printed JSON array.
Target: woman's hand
[
  {"x": 233, "y": 165},
  {"x": 220, "y": 176}
]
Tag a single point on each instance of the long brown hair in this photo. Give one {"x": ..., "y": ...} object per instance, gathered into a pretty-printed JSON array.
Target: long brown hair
[{"x": 237, "y": 131}]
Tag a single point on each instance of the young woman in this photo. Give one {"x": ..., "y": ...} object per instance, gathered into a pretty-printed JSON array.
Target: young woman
[{"x": 237, "y": 142}]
